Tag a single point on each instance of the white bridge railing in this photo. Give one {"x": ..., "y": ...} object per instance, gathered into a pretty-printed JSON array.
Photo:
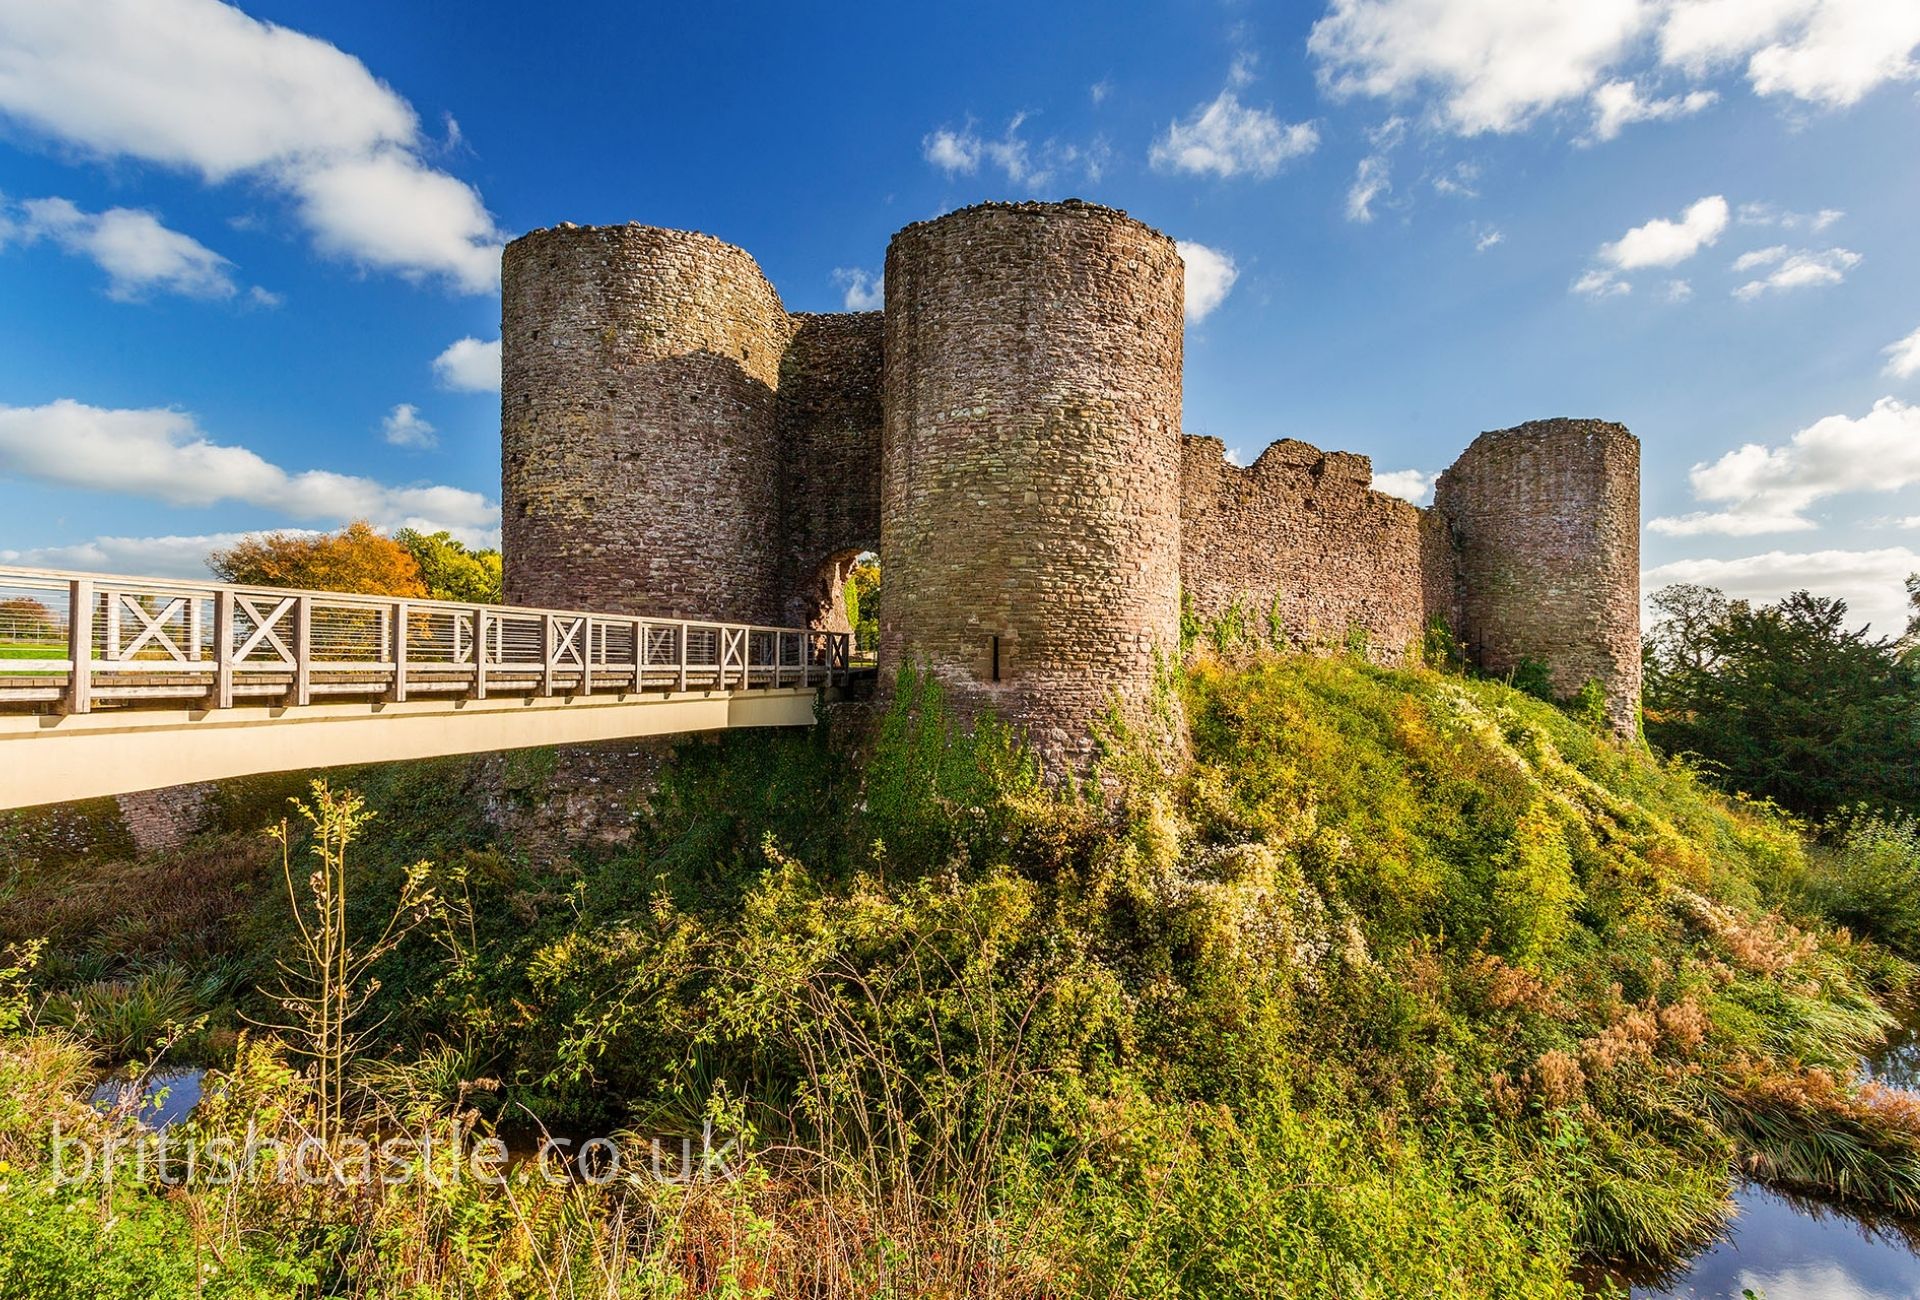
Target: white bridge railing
[{"x": 74, "y": 643}]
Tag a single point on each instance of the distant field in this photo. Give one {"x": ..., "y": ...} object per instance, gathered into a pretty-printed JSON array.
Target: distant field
[{"x": 32, "y": 650}]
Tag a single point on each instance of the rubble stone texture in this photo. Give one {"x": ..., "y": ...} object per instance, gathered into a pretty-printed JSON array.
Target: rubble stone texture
[
  {"x": 1545, "y": 520},
  {"x": 1006, "y": 434}
]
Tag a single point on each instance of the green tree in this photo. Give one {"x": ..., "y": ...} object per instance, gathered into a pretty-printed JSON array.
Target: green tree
[
  {"x": 1783, "y": 701},
  {"x": 863, "y": 601},
  {"x": 451, "y": 571},
  {"x": 1913, "y": 603}
]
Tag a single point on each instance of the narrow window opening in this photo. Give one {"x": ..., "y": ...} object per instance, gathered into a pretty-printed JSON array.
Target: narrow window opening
[{"x": 993, "y": 658}]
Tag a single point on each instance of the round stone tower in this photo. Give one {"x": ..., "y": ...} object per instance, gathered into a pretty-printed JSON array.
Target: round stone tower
[
  {"x": 640, "y": 458},
  {"x": 1545, "y": 520},
  {"x": 1030, "y": 488}
]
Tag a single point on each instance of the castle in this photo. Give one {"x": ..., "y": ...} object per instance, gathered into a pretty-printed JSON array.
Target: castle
[{"x": 1006, "y": 435}]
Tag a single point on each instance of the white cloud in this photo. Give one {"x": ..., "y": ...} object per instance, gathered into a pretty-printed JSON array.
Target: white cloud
[
  {"x": 1601, "y": 284},
  {"x": 1668, "y": 243},
  {"x": 1770, "y": 489},
  {"x": 1210, "y": 277},
  {"x": 150, "y": 557},
  {"x": 953, "y": 152},
  {"x": 1226, "y": 138},
  {"x": 1099, "y": 91},
  {"x": 1802, "y": 270},
  {"x": 163, "y": 454},
  {"x": 1498, "y": 65},
  {"x": 1679, "y": 290},
  {"x": 1759, "y": 257},
  {"x": 1488, "y": 238},
  {"x": 861, "y": 290},
  {"x": 1871, "y": 582},
  {"x": 960, "y": 152},
  {"x": 1768, "y": 214},
  {"x": 138, "y": 253},
  {"x": 1408, "y": 484},
  {"x": 201, "y": 86},
  {"x": 1459, "y": 181},
  {"x": 1903, "y": 358},
  {"x": 469, "y": 366},
  {"x": 1369, "y": 183},
  {"x": 1618, "y": 104},
  {"x": 403, "y": 427}
]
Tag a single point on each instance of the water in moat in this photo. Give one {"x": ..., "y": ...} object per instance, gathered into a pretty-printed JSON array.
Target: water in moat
[{"x": 1780, "y": 1247}]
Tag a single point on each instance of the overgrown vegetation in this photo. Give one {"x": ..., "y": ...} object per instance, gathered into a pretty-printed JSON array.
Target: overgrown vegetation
[{"x": 1408, "y": 984}]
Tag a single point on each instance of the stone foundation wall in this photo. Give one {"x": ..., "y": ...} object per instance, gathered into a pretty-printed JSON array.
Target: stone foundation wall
[{"x": 1300, "y": 535}]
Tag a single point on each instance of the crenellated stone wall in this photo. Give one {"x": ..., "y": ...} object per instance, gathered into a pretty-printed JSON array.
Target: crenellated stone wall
[
  {"x": 1007, "y": 435},
  {"x": 1301, "y": 536}
]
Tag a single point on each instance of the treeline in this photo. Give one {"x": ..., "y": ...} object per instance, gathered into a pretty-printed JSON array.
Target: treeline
[
  {"x": 1787, "y": 702},
  {"x": 360, "y": 558}
]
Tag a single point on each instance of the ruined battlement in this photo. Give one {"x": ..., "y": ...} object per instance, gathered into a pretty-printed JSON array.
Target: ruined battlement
[{"x": 1006, "y": 435}]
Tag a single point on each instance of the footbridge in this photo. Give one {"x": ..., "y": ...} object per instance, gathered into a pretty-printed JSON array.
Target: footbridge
[{"x": 110, "y": 685}]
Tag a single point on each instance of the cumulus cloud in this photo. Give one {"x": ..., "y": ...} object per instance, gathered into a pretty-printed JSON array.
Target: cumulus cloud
[
  {"x": 1408, "y": 484},
  {"x": 1793, "y": 270},
  {"x": 953, "y": 152},
  {"x": 1619, "y": 104},
  {"x": 1903, "y": 358},
  {"x": 1668, "y": 243},
  {"x": 1210, "y": 277},
  {"x": 861, "y": 290},
  {"x": 1226, "y": 138},
  {"x": 140, "y": 255},
  {"x": 163, "y": 454},
  {"x": 469, "y": 365},
  {"x": 1495, "y": 65},
  {"x": 1764, "y": 489},
  {"x": 1498, "y": 65},
  {"x": 403, "y": 427},
  {"x": 200, "y": 86},
  {"x": 1871, "y": 582}
]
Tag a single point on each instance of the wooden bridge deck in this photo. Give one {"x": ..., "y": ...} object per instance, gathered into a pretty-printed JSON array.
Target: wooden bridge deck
[{"x": 113, "y": 684}]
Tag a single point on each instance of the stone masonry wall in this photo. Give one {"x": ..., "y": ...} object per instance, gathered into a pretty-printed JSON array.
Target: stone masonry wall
[
  {"x": 640, "y": 451},
  {"x": 1007, "y": 435},
  {"x": 1300, "y": 533},
  {"x": 1545, "y": 521},
  {"x": 830, "y": 418},
  {"x": 1031, "y": 490}
]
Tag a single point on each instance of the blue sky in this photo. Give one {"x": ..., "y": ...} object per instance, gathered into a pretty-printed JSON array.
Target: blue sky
[{"x": 236, "y": 246}]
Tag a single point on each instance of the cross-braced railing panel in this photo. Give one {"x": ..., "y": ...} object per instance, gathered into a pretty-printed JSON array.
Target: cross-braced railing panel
[{"x": 72, "y": 642}]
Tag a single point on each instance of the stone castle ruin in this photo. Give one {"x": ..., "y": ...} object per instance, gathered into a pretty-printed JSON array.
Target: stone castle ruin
[{"x": 1006, "y": 436}]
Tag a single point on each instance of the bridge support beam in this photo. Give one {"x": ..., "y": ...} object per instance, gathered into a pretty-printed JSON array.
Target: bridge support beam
[{"x": 57, "y": 758}]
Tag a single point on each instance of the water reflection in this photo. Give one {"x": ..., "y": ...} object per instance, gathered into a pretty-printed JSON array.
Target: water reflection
[
  {"x": 1787, "y": 1248},
  {"x": 168, "y": 1097}
]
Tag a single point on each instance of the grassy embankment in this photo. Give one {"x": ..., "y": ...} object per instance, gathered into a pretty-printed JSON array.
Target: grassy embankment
[{"x": 1409, "y": 984}]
